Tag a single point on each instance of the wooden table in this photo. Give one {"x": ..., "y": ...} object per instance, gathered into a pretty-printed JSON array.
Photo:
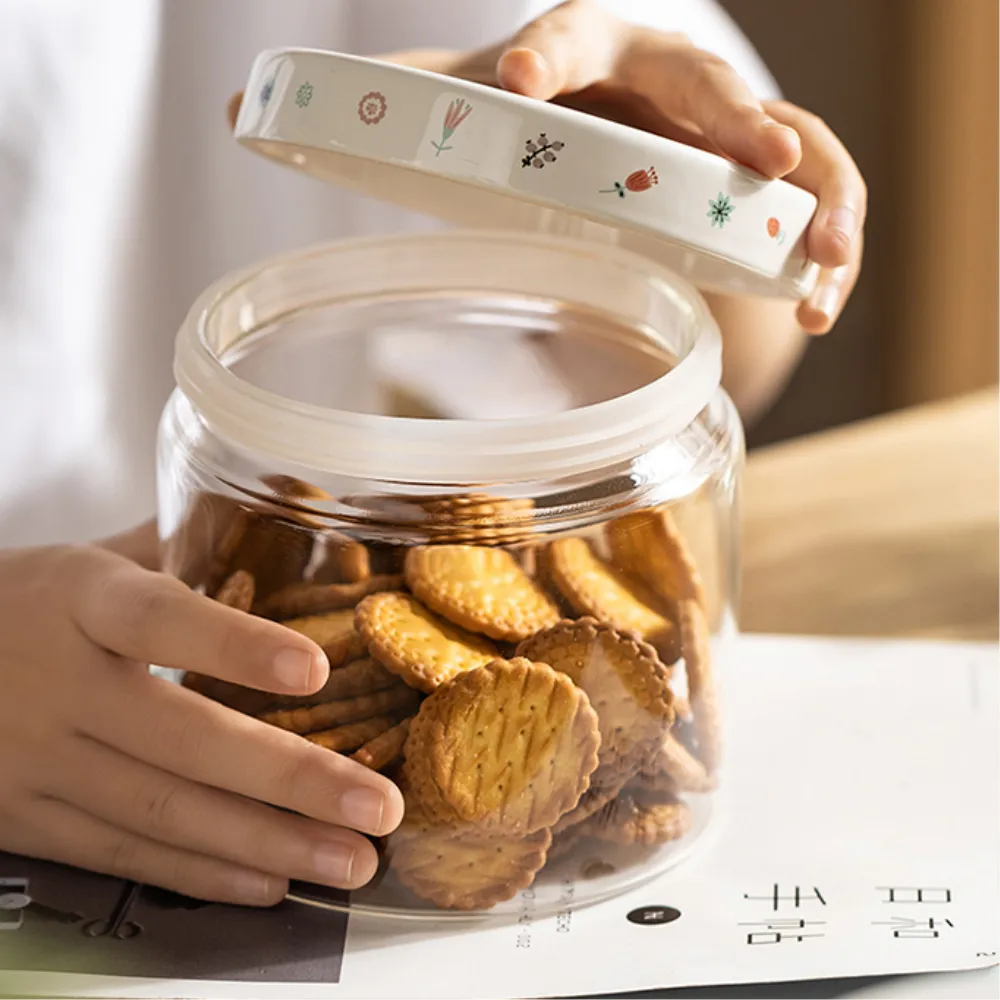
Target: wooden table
[{"x": 886, "y": 527}]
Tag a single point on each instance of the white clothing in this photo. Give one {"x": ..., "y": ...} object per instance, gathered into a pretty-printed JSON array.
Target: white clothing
[{"x": 122, "y": 195}]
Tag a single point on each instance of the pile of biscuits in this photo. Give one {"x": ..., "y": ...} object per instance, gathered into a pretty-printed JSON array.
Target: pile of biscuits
[{"x": 517, "y": 688}]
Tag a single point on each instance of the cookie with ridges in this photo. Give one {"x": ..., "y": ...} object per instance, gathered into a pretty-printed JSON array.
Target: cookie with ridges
[
  {"x": 384, "y": 749},
  {"x": 594, "y": 587},
  {"x": 415, "y": 644},
  {"x": 353, "y": 735},
  {"x": 627, "y": 683},
  {"x": 480, "y": 589},
  {"x": 457, "y": 870},
  {"x": 507, "y": 748},
  {"x": 631, "y": 821},
  {"x": 399, "y": 699},
  {"x": 697, "y": 654},
  {"x": 333, "y": 632},
  {"x": 306, "y": 598},
  {"x": 648, "y": 545},
  {"x": 674, "y": 768},
  {"x": 605, "y": 784},
  {"x": 238, "y": 590}
]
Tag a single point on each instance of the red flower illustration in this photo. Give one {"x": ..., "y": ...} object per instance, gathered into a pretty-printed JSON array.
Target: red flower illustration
[
  {"x": 372, "y": 107},
  {"x": 773, "y": 227},
  {"x": 638, "y": 180},
  {"x": 642, "y": 180}
]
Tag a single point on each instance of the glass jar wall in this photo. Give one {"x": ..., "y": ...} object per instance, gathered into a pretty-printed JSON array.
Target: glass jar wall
[{"x": 494, "y": 477}]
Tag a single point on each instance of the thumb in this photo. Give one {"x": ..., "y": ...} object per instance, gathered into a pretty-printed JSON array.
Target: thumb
[{"x": 571, "y": 47}]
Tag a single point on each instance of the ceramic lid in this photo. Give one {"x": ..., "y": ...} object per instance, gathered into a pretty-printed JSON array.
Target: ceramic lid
[{"x": 485, "y": 158}]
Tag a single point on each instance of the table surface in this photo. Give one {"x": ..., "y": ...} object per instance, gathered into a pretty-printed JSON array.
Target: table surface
[{"x": 887, "y": 527}]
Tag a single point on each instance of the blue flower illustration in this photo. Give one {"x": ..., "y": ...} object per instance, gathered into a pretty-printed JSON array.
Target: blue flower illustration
[{"x": 266, "y": 91}]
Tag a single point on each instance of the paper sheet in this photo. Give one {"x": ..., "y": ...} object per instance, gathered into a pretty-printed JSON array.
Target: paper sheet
[{"x": 858, "y": 835}]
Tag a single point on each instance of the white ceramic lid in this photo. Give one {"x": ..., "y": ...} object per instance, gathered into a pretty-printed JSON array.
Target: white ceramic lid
[{"x": 485, "y": 158}]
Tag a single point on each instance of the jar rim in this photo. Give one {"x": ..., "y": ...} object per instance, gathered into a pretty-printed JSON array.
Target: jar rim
[{"x": 454, "y": 452}]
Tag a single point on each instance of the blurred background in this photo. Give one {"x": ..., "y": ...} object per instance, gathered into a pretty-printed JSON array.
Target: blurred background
[{"x": 918, "y": 111}]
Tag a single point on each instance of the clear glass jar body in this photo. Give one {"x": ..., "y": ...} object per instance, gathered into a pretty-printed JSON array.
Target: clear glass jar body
[{"x": 509, "y": 517}]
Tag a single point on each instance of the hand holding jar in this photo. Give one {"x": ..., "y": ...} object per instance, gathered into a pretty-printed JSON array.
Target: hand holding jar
[{"x": 110, "y": 768}]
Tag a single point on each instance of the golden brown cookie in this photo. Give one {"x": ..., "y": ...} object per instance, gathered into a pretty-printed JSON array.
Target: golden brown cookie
[
  {"x": 649, "y": 546},
  {"x": 363, "y": 676},
  {"x": 459, "y": 870},
  {"x": 479, "y": 519},
  {"x": 606, "y": 782},
  {"x": 627, "y": 683},
  {"x": 674, "y": 768},
  {"x": 292, "y": 488},
  {"x": 593, "y": 587},
  {"x": 237, "y": 592},
  {"x": 479, "y": 588},
  {"x": 400, "y": 699},
  {"x": 249, "y": 701},
  {"x": 629, "y": 820},
  {"x": 385, "y": 749},
  {"x": 701, "y": 682},
  {"x": 274, "y": 549},
  {"x": 336, "y": 558},
  {"x": 305, "y": 598},
  {"x": 418, "y": 646},
  {"x": 333, "y": 632},
  {"x": 508, "y": 747},
  {"x": 353, "y": 735}
]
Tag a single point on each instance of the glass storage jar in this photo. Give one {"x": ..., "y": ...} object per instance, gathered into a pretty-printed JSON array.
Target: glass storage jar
[{"x": 495, "y": 476}]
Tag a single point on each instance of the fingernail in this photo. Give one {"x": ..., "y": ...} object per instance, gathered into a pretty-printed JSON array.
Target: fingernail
[
  {"x": 843, "y": 223},
  {"x": 772, "y": 124},
  {"x": 253, "y": 888},
  {"x": 293, "y": 668},
  {"x": 363, "y": 809},
  {"x": 826, "y": 297},
  {"x": 334, "y": 864}
]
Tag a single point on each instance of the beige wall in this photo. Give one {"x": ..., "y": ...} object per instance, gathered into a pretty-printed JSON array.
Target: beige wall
[{"x": 911, "y": 88}]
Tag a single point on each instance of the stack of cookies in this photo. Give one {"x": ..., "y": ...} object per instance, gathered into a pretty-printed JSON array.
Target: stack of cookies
[{"x": 517, "y": 688}]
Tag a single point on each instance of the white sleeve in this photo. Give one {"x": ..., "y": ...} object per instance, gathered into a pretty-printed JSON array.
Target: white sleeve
[{"x": 707, "y": 25}]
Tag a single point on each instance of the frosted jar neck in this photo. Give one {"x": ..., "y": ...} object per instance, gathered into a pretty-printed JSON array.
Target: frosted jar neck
[{"x": 267, "y": 300}]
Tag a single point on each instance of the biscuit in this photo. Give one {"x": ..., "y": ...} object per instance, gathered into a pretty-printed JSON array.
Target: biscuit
[
  {"x": 399, "y": 699},
  {"x": 479, "y": 519},
  {"x": 674, "y": 768},
  {"x": 274, "y": 549},
  {"x": 249, "y": 701},
  {"x": 353, "y": 735},
  {"x": 292, "y": 488},
  {"x": 237, "y": 592},
  {"x": 505, "y": 748},
  {"x": 363, "y": 676},
  {"x": 336, "y": 558},
  {"x": 416, "y": 645},
  {"x": 458, "y": 870},
  {"x": 630, "y": 821},
  {"x": 627, "y": 684},
  {"x": 228, "y": 525},
  {"x": 306, "y": 598},
  {"x": 480, "y": 589},
  {"x": 194, "y": 550},
  {"x": 593, "y": 587},
  {"x": 385, "y": 749},
  {"x": 649, "y": 546},
  {"x": 605, "y": 783},
  {"x": 697, "y": 653},
  {"x": 333, "y": 632}
]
